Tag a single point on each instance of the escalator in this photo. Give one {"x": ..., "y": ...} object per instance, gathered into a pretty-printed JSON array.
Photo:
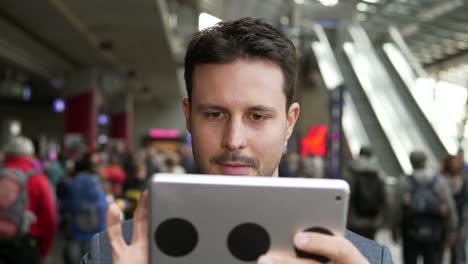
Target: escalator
[
  {"x": 398, "y": 124},
  {"x": 422, "y": 123},
  {"x": 379, "y": 140},
  {"x": 361, "y": 127}
]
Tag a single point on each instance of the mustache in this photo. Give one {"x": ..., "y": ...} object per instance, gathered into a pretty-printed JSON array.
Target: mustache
[{"x": 235, "y": 157}]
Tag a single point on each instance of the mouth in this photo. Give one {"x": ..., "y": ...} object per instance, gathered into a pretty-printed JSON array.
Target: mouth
[{"x": 235, "y": 168}]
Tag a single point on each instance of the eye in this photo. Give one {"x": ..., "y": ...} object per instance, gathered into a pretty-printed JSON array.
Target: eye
[
  {"x": 257, "y": 117},
  {"x": 214, "y": 115}
]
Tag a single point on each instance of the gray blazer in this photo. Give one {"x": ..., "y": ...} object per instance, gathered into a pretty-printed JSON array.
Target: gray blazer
[{"x": 100, "y": 252}]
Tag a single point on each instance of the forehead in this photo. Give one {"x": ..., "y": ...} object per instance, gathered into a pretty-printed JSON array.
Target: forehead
[{"x": 239, "y": 83}]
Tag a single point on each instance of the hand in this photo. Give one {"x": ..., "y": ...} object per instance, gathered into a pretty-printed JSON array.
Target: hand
[
  {"x": 338, "y": 249},
  {"x": 137, "y": 251}
]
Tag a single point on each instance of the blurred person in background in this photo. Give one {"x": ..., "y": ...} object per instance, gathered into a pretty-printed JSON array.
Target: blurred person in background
[
  {"x": 425, "y": 216},
  {"x": 294, "y": 160},
  {"x": 126, "y": 159},
  {"x": 368, "y": 198},
  {"x": 186, "y": 159},
  {"x": 311, "y": 166},
  {"x": 54, "y": 171},
  {"x": 116, "y": 176},
  {"x": 134, "y": 188},
  {"x": 27, "y": 223},
  {"x": 173, "y": 163},
  {"x": 453, "y": 170},
  {"x": 284, "y": 169},
  {"x": 152, "y": 162},
  {"x": 85, "y": 206}
]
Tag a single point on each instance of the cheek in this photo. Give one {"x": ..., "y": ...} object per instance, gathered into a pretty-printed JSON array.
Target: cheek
[
  {"x": 205, "y": 140},
  {"x": 269, "y": 146}
]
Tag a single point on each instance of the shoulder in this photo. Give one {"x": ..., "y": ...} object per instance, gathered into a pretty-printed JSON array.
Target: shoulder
[{"x": 374, "y": 252}]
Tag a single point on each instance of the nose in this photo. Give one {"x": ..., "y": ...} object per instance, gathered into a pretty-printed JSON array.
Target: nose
[{"x": 234, "y": 137}]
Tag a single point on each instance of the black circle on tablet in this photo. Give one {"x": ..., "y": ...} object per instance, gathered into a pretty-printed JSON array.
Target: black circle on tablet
[
  {"x": 176, "y": 237},
  {"x": 248, "y": 241},
  {"x": 302, "y": 254}
]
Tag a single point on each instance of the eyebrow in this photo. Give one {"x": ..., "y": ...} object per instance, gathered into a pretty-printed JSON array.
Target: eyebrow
[
  {"x": 255, "y": 108},
  {"x": 203, "y": 107},
  {"x": 262, "y": 108}
]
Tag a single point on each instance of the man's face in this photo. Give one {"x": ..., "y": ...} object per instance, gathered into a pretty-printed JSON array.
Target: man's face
[{"x": 238, "y": 117}]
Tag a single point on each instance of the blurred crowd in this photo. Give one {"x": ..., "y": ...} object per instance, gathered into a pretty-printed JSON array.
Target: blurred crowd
[
  {"x": 426, "y": 210},
  {"x": 68, "y": 194}
]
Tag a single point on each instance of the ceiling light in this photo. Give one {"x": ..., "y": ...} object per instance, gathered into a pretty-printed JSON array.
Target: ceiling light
[
  {"x": 362, "y": 7},
  {"x": 103, "y": 119},
  {"x": 372, "y": 1},
  {"x": 59, "y": 105},
  {"x": 329, "y": 2},
  {"x": 299, "y": 2}
]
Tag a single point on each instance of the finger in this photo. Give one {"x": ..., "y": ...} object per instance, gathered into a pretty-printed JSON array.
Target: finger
[
  {"x": 140, "y": 221},
  {"x": 114, "y": 228},
  {"x": 337, "y": 248},
  {"x": 281, "y": 259}
]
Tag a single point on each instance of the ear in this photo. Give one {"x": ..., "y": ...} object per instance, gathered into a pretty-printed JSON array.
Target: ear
[
  {"x": 293, "y": 114},
  {"x": 186, "y": 108}
]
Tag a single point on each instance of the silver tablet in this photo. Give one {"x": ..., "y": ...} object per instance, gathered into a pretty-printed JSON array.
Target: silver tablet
[{"x": 235, "y": 219}]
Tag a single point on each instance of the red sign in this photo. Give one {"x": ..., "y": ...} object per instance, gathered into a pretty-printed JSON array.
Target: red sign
[{"x": 315, "y": 142}]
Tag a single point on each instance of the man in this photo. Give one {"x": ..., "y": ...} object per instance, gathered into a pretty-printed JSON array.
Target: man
[
  {"x": 240, "y": 79},
  {"x": 40, "y": 208},
  {"x": 368, "y": 198},
  {"x": 425, "y": 213},
  {"x": 84, "y": 208}
]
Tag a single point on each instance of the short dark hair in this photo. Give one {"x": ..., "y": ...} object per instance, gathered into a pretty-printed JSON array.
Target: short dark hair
[
  {"x": 418, "y": 159},
  {"x": 246, "y": 38}
]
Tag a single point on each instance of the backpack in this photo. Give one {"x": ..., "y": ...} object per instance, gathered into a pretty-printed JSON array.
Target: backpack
[
  {"x": 368, "y": 197},
  {"x": 87, "y": 205},
  {"x": 15, "y": 220},
  {"x": 423, "y": 219}
]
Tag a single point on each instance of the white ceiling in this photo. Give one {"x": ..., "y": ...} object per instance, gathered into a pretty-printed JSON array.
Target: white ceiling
[{"x": 71, "y": 32}]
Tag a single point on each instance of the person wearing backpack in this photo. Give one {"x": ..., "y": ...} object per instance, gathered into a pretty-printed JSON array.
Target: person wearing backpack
[
  {"x": 453, "y": 170},
  {"x": 85, "y": 206},
  {"x": 426, "y": 218},
  {"x": 27, "y": 209},
  {"x": 368, "y": 196}
]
